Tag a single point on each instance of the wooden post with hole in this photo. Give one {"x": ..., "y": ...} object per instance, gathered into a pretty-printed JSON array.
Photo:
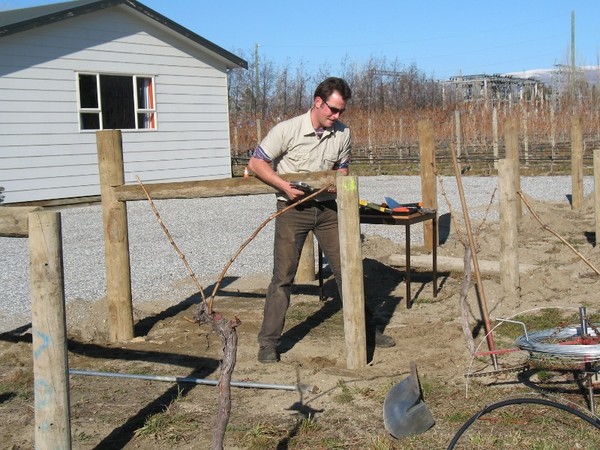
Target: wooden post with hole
[
  {"x": 596, "y": 154},
  {"x": 576, "y": 162},
  {"x": 116, "y": 239},
  {"x": 353, "y": 293},
  {"x": 48, "y": 329},
  {"x": 511, "y": 143},
  {"x": 306, "y": 265},
  {"x": 509, "y": 258},
  {"x": 428, "y": 180}
]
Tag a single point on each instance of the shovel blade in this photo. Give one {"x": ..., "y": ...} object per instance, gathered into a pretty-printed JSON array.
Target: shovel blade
[{"x": 404, "y": 411}]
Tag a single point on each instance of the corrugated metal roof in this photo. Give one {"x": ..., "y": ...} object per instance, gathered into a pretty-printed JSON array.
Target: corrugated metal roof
[{"x": 19, "y": 20}]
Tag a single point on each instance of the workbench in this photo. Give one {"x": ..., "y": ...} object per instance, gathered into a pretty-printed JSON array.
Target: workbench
[{"x": 375, "y": 217}]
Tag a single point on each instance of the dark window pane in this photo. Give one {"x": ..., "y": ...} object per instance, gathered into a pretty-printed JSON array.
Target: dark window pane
[
  {"x": 90, "y": 121},
  {"x": 116, "y": 94},
  {"x": 146, "y": 120},
  {"x": 88, "y": 91},
  {"x": 144, "y": 93}
]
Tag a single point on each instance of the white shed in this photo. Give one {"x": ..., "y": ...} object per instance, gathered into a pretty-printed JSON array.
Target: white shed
[{"x": 70, "y": 69}]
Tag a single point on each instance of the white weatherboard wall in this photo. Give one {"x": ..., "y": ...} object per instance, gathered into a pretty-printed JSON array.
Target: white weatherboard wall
[{"x": 43, "y": 155}]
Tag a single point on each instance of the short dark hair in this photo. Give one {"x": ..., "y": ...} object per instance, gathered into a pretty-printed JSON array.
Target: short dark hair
[{"x": 331, "y": 84}]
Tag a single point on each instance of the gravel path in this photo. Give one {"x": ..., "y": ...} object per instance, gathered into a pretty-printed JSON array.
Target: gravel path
[{"x": 209, "y": 232}]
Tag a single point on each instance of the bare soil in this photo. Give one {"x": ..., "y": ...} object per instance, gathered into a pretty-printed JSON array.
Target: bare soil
[{"x": 341, "y": 408}]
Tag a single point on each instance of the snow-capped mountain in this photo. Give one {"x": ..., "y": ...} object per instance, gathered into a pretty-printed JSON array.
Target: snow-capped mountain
[{"x": 560, "y": 74}]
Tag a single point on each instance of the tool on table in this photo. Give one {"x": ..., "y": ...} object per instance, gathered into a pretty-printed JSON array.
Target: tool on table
[
  {"x": 374, "y": 206},
  {"x": 402, "y": 208},
  {"x": 302, "y": 186}
]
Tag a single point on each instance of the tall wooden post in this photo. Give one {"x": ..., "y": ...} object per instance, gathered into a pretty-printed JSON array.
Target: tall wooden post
[
  {"x": 306, "y": 265},
  {"x": 511, "y": 142},
  {"x": 495, "y": 135},
  {"x": 458, "y": 133},
  {"x": 597, "y": 192},
  {"x": 48, "y": 329},
  {"x": 116, "y": 238},
  {"x": 353, "y": 293},
  {"x": 428, "y": 184},
  {"x": 576, "y": 162},
  {"x": 509, "y": 259}
]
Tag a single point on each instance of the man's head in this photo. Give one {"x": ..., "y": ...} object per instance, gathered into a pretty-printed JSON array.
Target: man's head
[{"x": 330, "y": 100}]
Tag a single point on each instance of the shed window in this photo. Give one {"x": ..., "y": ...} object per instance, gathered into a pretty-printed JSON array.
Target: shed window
[{"x": 116, "y": 102}]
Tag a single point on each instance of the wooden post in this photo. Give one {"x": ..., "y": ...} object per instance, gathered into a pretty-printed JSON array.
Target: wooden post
[
  {"x": 353, "y": 292},
  {"x": 116, "y": 239},
  {"x": 458, "y": 134},
  {"x": 495, "y": 135},
  {"x": 428, "y": 183},
  {"x": 509, "y": 258},
  {"x": 576, "y": 162},
  {"x": 306, "y": 265},
  {"x": 525, "y": 137},
  {"x": 597, "y": 192},
  {"x": 48, "y": 329},
  {"x": 511, "y": 142}
]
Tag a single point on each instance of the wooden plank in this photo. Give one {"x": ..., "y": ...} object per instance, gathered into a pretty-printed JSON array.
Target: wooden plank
[
  {"x": 452, "y": 264},
  {"x": 216, "y": 188},
  {"x": 14, "y": 220}
]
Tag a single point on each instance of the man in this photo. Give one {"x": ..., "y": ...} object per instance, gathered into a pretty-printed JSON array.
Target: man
[{"x": 312, "y": 142}]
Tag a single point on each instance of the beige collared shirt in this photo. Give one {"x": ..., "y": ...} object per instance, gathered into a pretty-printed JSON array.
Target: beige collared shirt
[{"x": 294, "y": 147}]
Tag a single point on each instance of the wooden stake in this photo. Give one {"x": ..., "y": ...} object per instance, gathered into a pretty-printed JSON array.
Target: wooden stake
[
  {"x": 479, "y": 282},
  {"x": 511, "y": 142},
  {"x": 597, "y": 192},
  {"x": 509, "y": 258},
  {"x": 353, "y": 294},
  {"x": 428, "y": 184},
  {"x": 48, "y": 329},
  {"x": 116, "y": 238},
  {"x": 576, "y": 162}
]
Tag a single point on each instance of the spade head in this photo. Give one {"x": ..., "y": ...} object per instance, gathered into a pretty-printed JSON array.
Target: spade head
[{"x": 404, "y": 411}]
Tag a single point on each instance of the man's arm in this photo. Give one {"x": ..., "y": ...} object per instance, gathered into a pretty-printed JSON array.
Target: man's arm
[{"x": 265, "y": 173}]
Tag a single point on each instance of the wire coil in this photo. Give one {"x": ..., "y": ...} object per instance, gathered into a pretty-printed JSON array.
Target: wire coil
[{"x": 562, "y": 343}]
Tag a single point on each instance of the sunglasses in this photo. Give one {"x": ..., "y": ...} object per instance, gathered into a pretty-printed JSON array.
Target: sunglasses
[{"x": 334, "y": 110}]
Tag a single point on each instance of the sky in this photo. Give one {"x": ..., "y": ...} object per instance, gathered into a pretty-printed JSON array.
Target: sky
[{"x": 442, "y": 38}]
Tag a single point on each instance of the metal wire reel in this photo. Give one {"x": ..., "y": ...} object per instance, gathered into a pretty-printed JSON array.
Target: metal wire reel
[
  {"x": 571, "y": 347},
  {"x": 574, "y": 347}
]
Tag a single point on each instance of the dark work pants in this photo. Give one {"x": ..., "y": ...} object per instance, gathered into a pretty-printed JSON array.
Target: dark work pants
[{"x": 291, "y": 229}]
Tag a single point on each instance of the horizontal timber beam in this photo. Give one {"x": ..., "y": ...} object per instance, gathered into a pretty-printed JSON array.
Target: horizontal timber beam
[
  {"x": 14, "y": 220},
  {"x": 216, "y": 188}
]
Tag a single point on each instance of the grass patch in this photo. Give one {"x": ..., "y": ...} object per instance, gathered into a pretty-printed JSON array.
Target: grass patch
[
  {"x": 170, "y": 425},
  {"x": 345, "y": 395},
  {"x": 540, "y": 320},
  {"x": 261, "y": 436}
]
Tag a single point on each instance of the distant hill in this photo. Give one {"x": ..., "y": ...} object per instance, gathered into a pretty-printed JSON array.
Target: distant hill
[{"x": 551, "y": 77}]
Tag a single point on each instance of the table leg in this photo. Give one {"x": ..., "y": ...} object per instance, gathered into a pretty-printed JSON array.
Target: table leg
[{"x": 408, "y": 299}]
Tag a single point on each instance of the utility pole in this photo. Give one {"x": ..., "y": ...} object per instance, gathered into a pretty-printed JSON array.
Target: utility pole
[
  {"x": 573, "y": 57},
  {"x": 256, "y": 92},
  {"x": 256, "y": 80}
]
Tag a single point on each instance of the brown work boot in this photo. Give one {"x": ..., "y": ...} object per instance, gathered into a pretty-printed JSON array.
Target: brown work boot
[
  {"x": 267, "y": 354},
  {"x": 383, "y": 340}
]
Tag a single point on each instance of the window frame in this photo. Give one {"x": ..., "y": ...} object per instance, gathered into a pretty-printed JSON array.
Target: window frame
[{"x": 137, "y": 110}]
